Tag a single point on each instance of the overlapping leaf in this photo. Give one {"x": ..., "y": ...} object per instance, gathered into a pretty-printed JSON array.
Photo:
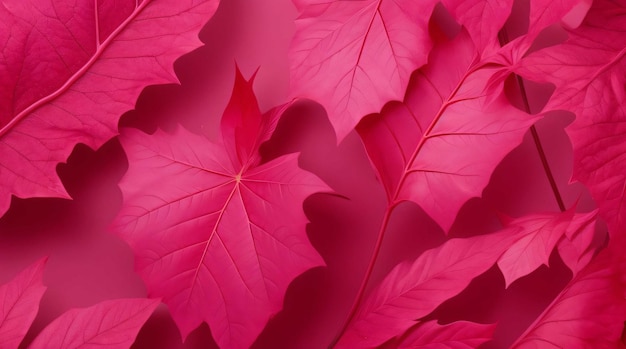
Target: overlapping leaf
[
  {"x": 110, "y": 324},
  {"x": 543, "y": 232},
  {"x": 70, "y": 69},
  {"x": 20, "y": 302},
  {"x": 589, "y": 73},
  {"x": 216, "y": 234},
  {"x": 441, "y": 145},
  {"x": 457, "y": 335},
  {"x": 413, "y": 290},
  {"x": 355, "y": 56},
  {"x": 589, "y": 313},
  {"x": 485, "y": 18}
]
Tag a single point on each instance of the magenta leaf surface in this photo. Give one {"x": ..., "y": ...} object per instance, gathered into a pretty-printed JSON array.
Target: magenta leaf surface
[
  {"x": 576, "y": 249},
  {"x": 457, "y": 335},
  {"x": 590, "y": 311},
  {"x": 110, "y": 324},
  {"x": 542, "y": 233},
  {"x": 71, "y": 69},
  {"x": 414, "y": 289},
  {"x": 355, "y": 56},
  {"x": 439, "y": 148},
  {"x": 588, "y": 71},
  {"x": 218, "y": 235},
  {"x": 20, "y": 303}
]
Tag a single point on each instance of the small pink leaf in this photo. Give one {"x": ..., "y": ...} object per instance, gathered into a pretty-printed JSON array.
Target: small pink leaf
[
  {"x": 218, "y": 235},
  {"x": 20, "y": 303},
  {"x": 542, "y": 232},
  {"x": 110, "y": 324},
  {"x": 413, "y": 290},
  {"x": 457, "y": 335},
  {"x": 589, "y": 73},
  {"x": 589, "y": 313},
  {"x": 576, "y": 248},
  {"x": 439, "y": 148},
  {"x": 355, "y": 56},
  {"x": 69, "y": 70}
]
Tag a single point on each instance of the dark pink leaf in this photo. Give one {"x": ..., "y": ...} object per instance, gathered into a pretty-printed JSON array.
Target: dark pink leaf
[
  {"x": 457, "y": 335},
  {"x": 355, "y": 56},
  {"x": 588, "y": 71},
  {"x": 20, "y": 303},
  {"x": 542, "y": 233},
  {"x": 216, "y": 234},
  {"x": 71, "y": 69},
  {"x": 590, "y": 311},
  {"x": 439, "y": 148},
  {"x": 110, "y": 324},
  {"x": 414, "y": 289}
]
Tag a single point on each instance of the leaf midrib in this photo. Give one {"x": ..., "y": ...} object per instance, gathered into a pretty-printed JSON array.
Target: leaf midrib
[{"x": 100, "y": 49}]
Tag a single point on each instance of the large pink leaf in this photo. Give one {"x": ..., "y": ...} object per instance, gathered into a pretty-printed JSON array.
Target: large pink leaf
[
  {"x": 216, "y": 234},
  {"x": 110, "y": 324},
  {"x": 457, "y": 335},
  {"x": 70, "y": 69},
  {"x": 355, "y": 56},
  {"x": 589, "y": 313},
  {"x": 439, "y": 148},
  {"x": 588, "y": 71},
  {"x": 543, "y": 232},
  {"x": 20, "y": 303},
  {"x": 414, "y": 289}
]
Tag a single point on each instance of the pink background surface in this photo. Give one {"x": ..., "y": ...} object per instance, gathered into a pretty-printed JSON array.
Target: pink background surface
[{"x": 88, "y": 265}]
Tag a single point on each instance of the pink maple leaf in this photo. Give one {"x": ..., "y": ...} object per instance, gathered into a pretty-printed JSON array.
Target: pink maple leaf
[{"x": 216, "y": 233}]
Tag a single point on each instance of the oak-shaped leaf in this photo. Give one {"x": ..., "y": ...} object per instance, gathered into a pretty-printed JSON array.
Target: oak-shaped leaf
[
  {"x": 456, "y": 335},
  {"x": 217, "y": 234},
  {"x": 70, "y": 69},
  {"x": 110, "y": 324},
  {"x": 440, "y": 146},
  {"x": 589, "y": 71},
  {"x": 542, "y": 233},
  {"x": 589, "y": 313},
  {"x": 414, "y": 289},
  {"x": 355, "y": 56},
  {"x": 20, "y": 302}
]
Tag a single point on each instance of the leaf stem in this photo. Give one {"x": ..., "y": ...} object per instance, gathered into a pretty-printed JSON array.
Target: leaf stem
[
  {"x": 503, "y": 38},
  {"x": 370, "y": 268}
]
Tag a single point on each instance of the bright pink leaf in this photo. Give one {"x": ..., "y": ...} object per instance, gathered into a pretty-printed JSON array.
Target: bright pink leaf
[
  {"x": 457, "y": 335},
  {"x": 110, "y": 324},
  {"x": 216, "y": 234},
  {"x": 69, "y": 70},
  {"x": 439, "y": 148},
  {"x": 355, "y": 56},
  {"x": 414, "y": 289},
  {"x": 588, "y": 71},
  {"x": 542, "y": 232},
  {"x": 589, "y": 313},
  {"x": 20, "y": 303}
]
